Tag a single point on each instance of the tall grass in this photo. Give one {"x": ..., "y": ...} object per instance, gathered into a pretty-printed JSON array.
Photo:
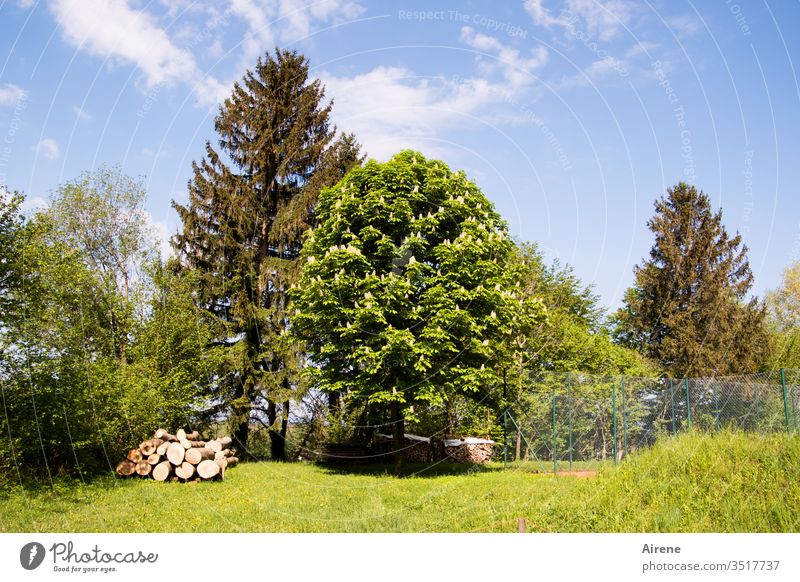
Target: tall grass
[{"x": 691, "y": 483}]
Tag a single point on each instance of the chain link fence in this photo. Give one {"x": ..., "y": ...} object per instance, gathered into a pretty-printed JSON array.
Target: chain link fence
[{"x": 578, "y": 422}]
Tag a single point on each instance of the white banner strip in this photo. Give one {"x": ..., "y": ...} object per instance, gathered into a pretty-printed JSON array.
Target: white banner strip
[{"x": 400, "y": 557}]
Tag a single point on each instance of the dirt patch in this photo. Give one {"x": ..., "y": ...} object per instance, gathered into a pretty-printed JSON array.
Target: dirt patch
[{"x": 583, "y": 474}]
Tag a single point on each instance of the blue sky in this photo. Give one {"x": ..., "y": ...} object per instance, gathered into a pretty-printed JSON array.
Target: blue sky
[{"x": 571, "y": 116}]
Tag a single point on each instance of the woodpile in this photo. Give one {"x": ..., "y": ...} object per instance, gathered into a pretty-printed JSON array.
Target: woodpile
[
  {"x": 179, "y": 457},
  {"x": 468, "y": 450}
]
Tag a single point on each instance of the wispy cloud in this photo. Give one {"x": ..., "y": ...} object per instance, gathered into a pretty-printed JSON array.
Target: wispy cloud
[
  {"x": 11, "y": 94},
  {"x": 48, "y": 148},
  {"x": 114, "y": 30},
  {"x": 517, "y": 68},
  {"x": 81, "y": 114},
  {"x": 602, "y": 18},
  {"x": 285, "y": 21}
]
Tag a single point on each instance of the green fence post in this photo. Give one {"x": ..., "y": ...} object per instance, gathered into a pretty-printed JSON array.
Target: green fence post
[
  {"x": 672, "y": 404},
  {"x": 624, "y": 420},
  {"x": 756, "y": 397},
  {"x": 793, "y": 398},
  {"x": 555, "y": 434},
  {"x": 569, "y": 406},
  {"x": 505, "y": 439},
  {"x": 614, "y": 409},
  {"x": 785, "y": 402},
  {"x": 688, "y": 403}
]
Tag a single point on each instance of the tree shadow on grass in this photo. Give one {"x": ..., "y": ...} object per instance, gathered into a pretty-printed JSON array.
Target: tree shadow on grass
[{"x": 424, "y": 470}]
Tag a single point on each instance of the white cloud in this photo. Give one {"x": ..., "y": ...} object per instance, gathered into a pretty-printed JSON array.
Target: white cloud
[
  {"x": 48, "y": 148},
  {"x": 25, "y": 4},
  {"x": 271, "y": 22},
  {"x": 517, "y": 69},
  {"x": 151, "y": 153},
  {"x": 112, "y": 29},
  {"x": 685, "y": 25},
  {"x": 81, "y": 114},
  {"x": 602, "y": 18},
  {"x": 11, "y": 94}
]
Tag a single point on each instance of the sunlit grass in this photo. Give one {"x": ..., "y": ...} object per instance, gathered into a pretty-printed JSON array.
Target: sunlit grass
[{"x": 727, "y": 482}]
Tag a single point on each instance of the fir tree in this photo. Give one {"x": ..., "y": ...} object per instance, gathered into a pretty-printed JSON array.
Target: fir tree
[
  {"x": 249, "y": 205},
  {"x": 688, "y": 308}
]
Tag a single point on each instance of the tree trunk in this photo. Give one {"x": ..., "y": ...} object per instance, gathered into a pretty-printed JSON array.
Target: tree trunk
[
  {"x": 277, "y": 439},
  {"x": 399, "y": 438}
]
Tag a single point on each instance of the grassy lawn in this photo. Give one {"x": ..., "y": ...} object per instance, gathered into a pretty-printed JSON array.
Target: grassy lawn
[{"x": 727, "y": 482}]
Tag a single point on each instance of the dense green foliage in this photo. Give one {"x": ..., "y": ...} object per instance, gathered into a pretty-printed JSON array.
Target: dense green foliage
[
  {"x": 409, "y": 294},
  {"x": 783, "y": 321},
  {"x": 693, "y": 483},
  {"x": 249, "y": 205},
  {"x": 573, "y": 338},
  {"x": 101, "y": 345},
  {"x": 688, "y": 309}
]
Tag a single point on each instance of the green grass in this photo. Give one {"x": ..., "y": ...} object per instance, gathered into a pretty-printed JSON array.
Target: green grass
[{"x": 693, "y": 483}]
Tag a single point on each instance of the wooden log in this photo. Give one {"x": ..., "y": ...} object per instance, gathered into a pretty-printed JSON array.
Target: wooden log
[
  {"x": 134, "y": 455},
  {"x": 126, "y": 468},
  {"x": 223, "y": 453},
  {"x": 223, "y": 464},
  {"x": 219, "y": 444},
  {"x": 195, "y": 455},
  {"x": 149, "y": 447},
  {"x": 184, "y": 470},
  {"x": 162, "y": 448},
  {"x": 208, "y": 469},
  {"x": 187, "y": 444},
  {"x": 143, "y": 468},
  {"x": 164, "y": 435},
  {"x": 153, "y": 459},
  {"x": 162, "y": 471},
  {"x": 176, "y": 453},
  {"x": 232, "y": 461},
  {"x": 181, "y": 434}
]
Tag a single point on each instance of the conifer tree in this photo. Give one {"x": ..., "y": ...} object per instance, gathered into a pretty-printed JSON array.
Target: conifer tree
[
  {"x": 688, "y": 308},
  {"x": 249, "y": 204}
]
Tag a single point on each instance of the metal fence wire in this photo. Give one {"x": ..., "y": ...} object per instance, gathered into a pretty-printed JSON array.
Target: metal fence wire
[{"x": 577, "y": 422}]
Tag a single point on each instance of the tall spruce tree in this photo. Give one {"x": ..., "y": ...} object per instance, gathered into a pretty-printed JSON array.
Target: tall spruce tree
[
  {"x": 242, "y": 229},
  {"x": 688, "y": 308}
]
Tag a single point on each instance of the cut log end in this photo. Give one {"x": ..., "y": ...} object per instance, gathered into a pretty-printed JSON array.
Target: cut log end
[
  {"x": 176, "y": 453},
  {"x": 208, "y": 469},
  {"x": 162, "y": 471},
  {"x": 126, "y": 468}
]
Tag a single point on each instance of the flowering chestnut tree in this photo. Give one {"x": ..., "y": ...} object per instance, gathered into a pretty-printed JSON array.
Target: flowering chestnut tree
[{"x": 409, "y": 292}]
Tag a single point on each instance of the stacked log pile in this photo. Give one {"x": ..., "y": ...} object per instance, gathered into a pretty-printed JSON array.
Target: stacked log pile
[
  {"x": 179, "y": 457},
  {"x": 469, "y": 450}
]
